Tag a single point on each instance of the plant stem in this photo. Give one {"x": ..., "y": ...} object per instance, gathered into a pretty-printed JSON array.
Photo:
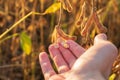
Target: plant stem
[
  {"x": 13, "y": 26},
  {"x": 18, "y": 22},
  {"x": 60, "y": 16}
]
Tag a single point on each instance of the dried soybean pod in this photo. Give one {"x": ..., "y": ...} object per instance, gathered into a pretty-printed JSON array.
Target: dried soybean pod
[
  {"x": 63, "y": 4},
  {"x": 69, "y": 6},
  {"x": 66, "y": 5},
  {"x": 82, "y": 15},
  {"x": 87, "y": 26},
  {"x": 64, "y": 35},
  {"x": 83, "y": 23},
  {"x": 64, "y": 44},
  {"x": 100, "y": 26}
]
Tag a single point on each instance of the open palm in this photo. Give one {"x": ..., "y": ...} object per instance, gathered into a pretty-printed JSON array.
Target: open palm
[
  {"x": 74, "y": 62},
  {"x": 64, "y": 58}
]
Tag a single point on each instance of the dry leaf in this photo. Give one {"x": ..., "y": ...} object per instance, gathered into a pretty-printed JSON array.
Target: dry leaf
[{"x": 53, "y": 8}]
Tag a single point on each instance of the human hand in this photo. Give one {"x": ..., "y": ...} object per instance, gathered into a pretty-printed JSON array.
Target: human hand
[
  {"x": 63, "y": 58},
  {"x": 96, "y": 60}
]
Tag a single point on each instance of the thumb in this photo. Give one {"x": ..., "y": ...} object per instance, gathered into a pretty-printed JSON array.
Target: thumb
[{"x": 99, "y": 38}]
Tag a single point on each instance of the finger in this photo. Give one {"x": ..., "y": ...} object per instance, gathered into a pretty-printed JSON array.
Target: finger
[
  {"x": 76, "y": 49},
  {"x": 58, "y": 59},
  {"x": 68, "y": 56},
  {"x": 99, "y": 38},
  {"x": 46, "y": 65}
]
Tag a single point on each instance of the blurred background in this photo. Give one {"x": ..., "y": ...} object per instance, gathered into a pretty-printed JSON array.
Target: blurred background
[{"x": 15, "y": 64}]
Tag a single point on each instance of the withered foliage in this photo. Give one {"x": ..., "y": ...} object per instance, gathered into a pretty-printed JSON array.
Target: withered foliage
[{"x": 77, "y": 18}]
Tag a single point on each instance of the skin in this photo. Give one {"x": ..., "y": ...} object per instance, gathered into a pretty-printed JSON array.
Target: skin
[{"x": 76, "y": 63}]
